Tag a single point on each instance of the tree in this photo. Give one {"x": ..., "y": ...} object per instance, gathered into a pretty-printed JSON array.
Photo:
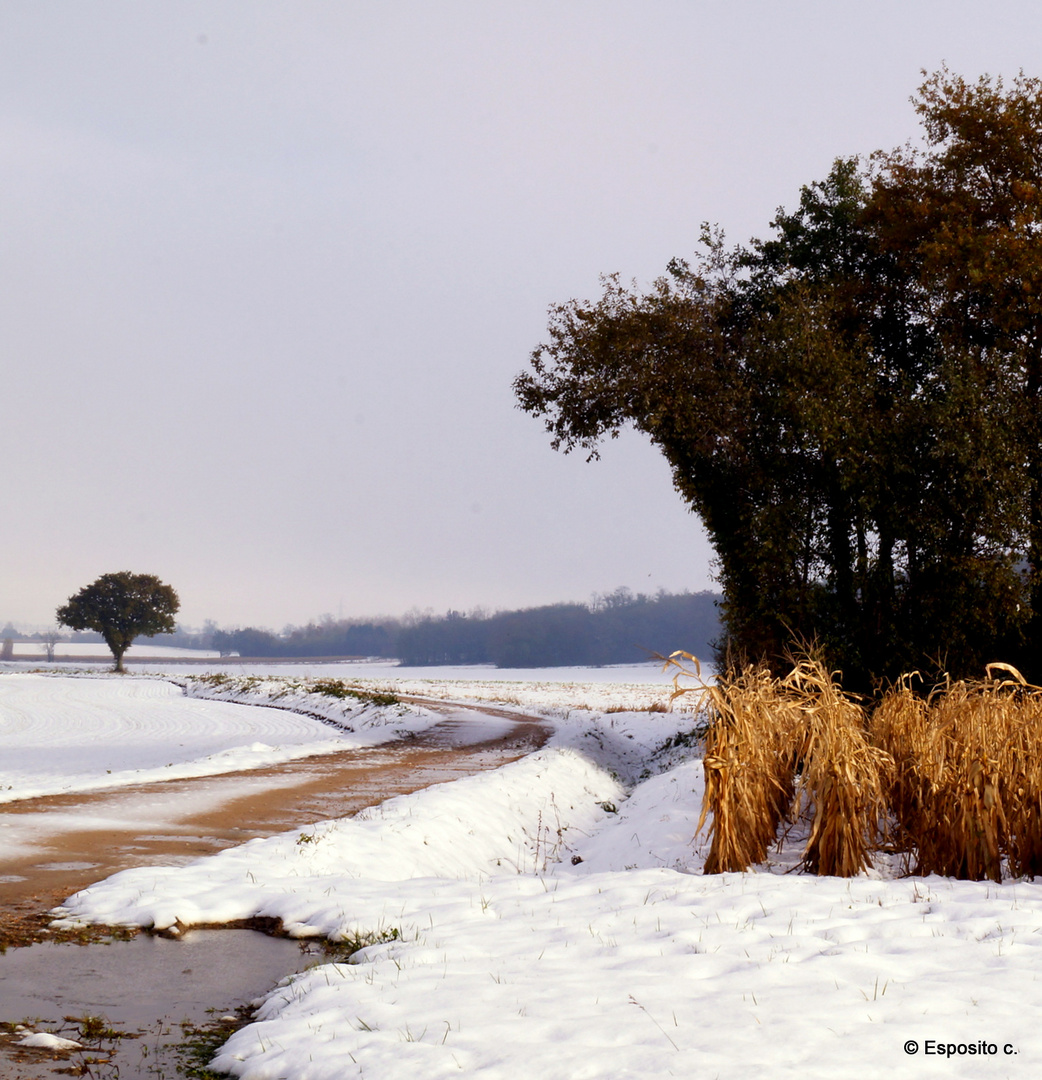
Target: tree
[
  {"x": 121, "y": 607},
  {"x": 50, "y": 638},
  {"x": 963, "y": 219},
  {"x": 851, "y": 405}
]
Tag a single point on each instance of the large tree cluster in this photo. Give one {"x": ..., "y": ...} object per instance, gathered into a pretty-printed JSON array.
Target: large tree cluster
[{"x": 851, "y": 405}]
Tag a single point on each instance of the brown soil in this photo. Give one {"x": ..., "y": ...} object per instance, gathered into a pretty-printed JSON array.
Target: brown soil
[{"x": 335, "y": 785}]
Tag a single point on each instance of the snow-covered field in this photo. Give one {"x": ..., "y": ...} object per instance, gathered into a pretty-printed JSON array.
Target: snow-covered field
[
  {"x": 550, "y": 919},
  {"x": 630, "y": 686},
  {"x": 71, "y": 734}
]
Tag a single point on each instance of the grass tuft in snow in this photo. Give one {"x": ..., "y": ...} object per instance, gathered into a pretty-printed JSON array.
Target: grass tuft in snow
[
  {"x": 343, "y": 946},
  {"x": 275, "y": 686}
]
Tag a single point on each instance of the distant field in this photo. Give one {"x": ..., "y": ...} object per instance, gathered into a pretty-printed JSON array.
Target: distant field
[{"x": 64, "y": 650}]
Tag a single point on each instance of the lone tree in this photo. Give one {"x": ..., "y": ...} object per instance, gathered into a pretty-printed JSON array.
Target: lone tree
[
  {"x": 122, "y": 607},
  {"x": 853, "y": 405}
]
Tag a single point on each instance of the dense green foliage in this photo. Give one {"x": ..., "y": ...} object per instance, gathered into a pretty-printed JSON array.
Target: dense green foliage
[
  {"x": 121, "y": 607},
  {"x": 852, "y": 405}
]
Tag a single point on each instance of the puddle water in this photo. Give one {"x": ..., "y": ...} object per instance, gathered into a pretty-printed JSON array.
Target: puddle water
[{"x": 147, "y": 986}]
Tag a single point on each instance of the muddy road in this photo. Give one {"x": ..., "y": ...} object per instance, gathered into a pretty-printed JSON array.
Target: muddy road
[{"x": 56, "y": 845}]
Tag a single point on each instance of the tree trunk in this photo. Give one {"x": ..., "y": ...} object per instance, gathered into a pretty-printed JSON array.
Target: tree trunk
[{"x": 1033, "y": 395}]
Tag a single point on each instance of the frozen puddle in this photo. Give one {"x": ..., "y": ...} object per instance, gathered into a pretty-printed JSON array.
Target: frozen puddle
[{"x": 148, "y": 986}]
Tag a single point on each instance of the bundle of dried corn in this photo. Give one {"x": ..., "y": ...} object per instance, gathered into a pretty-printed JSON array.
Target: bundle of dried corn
[
  {"x": 794, "y": 745},
  {"x": 968, "y": 785},
  {"x": 1021, "y": 768},
  {"x": 748, "y": 763},
  {"x": 959, "y": 773},
  {"x": 900, "y": 724},
  {"x": 843, "y": 781}
]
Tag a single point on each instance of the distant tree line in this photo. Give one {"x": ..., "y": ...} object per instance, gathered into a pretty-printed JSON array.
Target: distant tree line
[
  {"x": 328, "y": 638},
  {"x": 615, "y": 628},
  {"x": 618, "y": 628}
]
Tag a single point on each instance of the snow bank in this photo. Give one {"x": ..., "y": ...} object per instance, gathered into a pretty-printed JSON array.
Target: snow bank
[
  {"x": 371, "y": 717},
  {"x": 655, "y": 973},
  {"x": 519, "y": 818}
]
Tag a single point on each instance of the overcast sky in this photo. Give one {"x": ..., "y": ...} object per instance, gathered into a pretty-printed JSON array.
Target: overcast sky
[{"x": 267, "y": 271}]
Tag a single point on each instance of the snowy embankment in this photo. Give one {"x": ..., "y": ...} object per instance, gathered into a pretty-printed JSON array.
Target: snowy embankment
[
  {"x": 631, "y": 686},
  {"x": 533, "y": 922},
  {"x": 64, "y": 734}
]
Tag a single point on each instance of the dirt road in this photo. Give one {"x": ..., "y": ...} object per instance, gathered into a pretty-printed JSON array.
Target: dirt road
[{"x": 72, "y": 841}]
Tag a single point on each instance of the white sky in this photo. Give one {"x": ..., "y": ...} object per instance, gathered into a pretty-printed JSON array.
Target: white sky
[{"x": 267, "y": 271}]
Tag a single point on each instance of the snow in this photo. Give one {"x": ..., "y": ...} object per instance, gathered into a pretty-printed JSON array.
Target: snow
[
  {"x": 470, "y": 676},
  {"x": 654, "y": 973},
  {"x": 43, "y": 1040},
  {"x": 67, "y": 734},
  {"x": 550, "y": 919},
  {"x": 529, "y": 811},
  {"x": 629, "y": 686}
]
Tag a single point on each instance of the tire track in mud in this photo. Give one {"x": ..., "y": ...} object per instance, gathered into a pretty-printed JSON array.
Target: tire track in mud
[{"x": 78, "y": 839}]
